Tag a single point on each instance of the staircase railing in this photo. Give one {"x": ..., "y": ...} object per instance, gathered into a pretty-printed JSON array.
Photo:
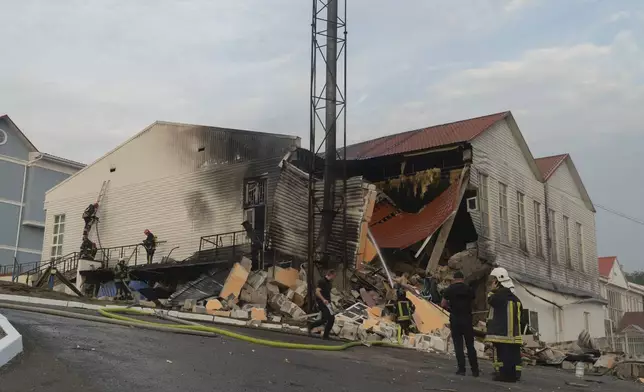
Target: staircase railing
[
  {"x": 109, "y": 255},
  {"x": 65, "y": 263}
]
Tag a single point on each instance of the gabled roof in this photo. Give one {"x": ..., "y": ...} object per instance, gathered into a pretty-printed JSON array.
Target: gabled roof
[
  {"x": 21, "y": 135},
  {"x": 606, "y": 265},
  {"x": 632, "y": 318},
  {"x": 424, "y": 138},
  {"x": 548, "y": 165}
]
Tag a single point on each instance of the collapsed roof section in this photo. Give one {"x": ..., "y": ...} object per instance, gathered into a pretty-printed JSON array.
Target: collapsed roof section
[{"x": 403, "y": 229}]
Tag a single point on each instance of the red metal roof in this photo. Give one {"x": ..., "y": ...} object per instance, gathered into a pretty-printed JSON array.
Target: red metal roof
[
  {"x": 424, "y": 138},
  {"x": 548, "y": 165},
  {"x": 606, "y": 265},
  {"x": 381, "y": 211},
  {"x": 631, "y": 318},
  {"x": 405, "y": 229}
]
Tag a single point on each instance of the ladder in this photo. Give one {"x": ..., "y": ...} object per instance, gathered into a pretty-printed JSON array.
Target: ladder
[{"x": 99, "y": 199}]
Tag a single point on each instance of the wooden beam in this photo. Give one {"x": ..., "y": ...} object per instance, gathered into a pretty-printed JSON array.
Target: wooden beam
[{"x": 446, "y": 228}]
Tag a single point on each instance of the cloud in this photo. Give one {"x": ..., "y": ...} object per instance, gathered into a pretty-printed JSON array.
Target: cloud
[
  {"x": 516, "y": 5},
  {"x": 617, "y": 16}
]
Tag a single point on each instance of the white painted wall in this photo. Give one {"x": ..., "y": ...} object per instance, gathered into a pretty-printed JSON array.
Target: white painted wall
[
  {"x": 573, "y": 314},
  {"x": 498, "y": 155},
  {"x": 163, "y": 183},
  {"x": 565, "y": 199}
]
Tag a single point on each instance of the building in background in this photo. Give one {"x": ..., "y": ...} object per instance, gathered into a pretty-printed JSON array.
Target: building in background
[
  {"x": 25, "y": 175},
  {"x": 534, "y": 217},
  {"x": 622, "y": 296},
  {"x": 182, "y": 182}
]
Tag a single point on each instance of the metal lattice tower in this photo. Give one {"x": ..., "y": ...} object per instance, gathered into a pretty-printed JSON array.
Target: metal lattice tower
[{"x": 328, "y": 94}]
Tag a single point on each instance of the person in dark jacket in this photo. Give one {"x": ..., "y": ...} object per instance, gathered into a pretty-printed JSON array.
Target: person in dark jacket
[
  {"x": 150, "y": 244},
  {"x": 88, "y": 249},
  {"x": 89, "y": 216},
  {"x": 458, "y": 298},
  {"x": 504, "y": 327},
  {"x": 323, "y": 301}
]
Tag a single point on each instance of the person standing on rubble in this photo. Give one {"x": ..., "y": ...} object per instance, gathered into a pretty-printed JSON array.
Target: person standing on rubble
[
  {"x": 150, "y": 244},
  {"x": 458, "y": 298},
  {"x": 504, "y": 327},
  {"x": 323, "y": 301}
]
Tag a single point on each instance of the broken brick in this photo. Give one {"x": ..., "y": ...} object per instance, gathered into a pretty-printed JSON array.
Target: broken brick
[
  {"x": 212, "y": 305},
  {"x": 234, "y": 282},
  {"x": 239, "y": 314},
  {"x": 258, "y": 314},
  {"x": 284, "y": 277},
  {"x": 221, "y": 313}
]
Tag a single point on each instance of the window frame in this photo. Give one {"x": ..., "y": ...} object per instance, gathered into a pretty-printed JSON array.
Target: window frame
[
  {"x": 57, "y": 237},
  {"x": 552, "y": 228},
  {"x": 504, "y": 214},
  {"x": 580, "y": 246},
  {"x": 567, "y": 246},
  {"x": 538, "y": 228},
  {"x": 521, "y": 222},
  {"x": 484, "y": 204}
]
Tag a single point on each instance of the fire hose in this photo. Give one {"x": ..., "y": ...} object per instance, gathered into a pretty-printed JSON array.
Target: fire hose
[{"x": 114, "y": 316}]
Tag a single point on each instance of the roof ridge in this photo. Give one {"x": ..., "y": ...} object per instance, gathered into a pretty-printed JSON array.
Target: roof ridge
[
  {"x": 226, "y": 129},
  {"x": 413, "y": 131}
]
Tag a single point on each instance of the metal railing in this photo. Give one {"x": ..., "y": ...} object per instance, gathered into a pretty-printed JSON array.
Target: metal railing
[
  {"x": 63, "y": 264},
  {"x": 10, "y": 269},
  {"x": 135, "y": 254},
  {"x": 224, "y": 240}
]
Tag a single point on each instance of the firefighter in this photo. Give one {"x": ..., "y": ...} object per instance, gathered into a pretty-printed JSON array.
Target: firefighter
[
  {"x": 88, "y": 249},
  {"x": 121, "y": 278},
  {"x": 150, "y": 244},
  {"x": 89, "y": 216},
  {"x": 403, "y": 311},
  {"x": 458, "y": 297},
  {"x": 504, "y": 327},
  {"x": 256, "y": 245}
]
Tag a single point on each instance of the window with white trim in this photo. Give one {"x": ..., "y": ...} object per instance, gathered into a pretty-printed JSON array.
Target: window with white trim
[
  {"x": 484, "y": 205},
  {"x": 552, "y": 229},
  {"x": 538, "y": 229},
  {"x": 580, "y": 247},
  {"x": 503, "y": 213},
  {"x": 523, "y": 241},
  {"x": 566, "y": 228},
  {"x": 57, "y": 237}
]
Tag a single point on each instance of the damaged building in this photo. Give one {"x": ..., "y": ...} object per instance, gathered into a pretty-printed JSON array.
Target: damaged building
[
  {"x": 192, "y": 186},
  {"x": 469, "y": 195}
]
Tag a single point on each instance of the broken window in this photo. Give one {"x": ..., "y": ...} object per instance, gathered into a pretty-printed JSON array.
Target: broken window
[
  {"x": 538, "y": 229},
  {"x": 534, "y": 321},
  {"x": 254, "y": 192},
  {"x": 615, "y": 309},
  {"x": 587, "y": 321},
  {"x": 503, "y": 213},
  {"x": 566, "y": 228},
  {"x": 523, "y": 242},
  {"x": 484, "y": 205},
  {"x": 580, "y": 247},
  {"x": 552, "y": 229}
]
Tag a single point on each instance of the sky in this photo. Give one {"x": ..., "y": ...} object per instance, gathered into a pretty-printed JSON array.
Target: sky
[{"x": 79, "y": 77}]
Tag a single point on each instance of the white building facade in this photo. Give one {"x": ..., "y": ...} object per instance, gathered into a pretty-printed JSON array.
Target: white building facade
[
  {"x": 542, "y": 225},
  {"x": 180, "y": 181},
  {"x": 621, "y": 295}
]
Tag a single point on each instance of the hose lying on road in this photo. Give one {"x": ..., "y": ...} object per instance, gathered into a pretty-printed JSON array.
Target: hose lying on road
[{"x": 111, "y": 317}]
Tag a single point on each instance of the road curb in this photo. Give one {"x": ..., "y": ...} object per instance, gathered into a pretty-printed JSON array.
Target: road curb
[{"x": 11, "y": 344}]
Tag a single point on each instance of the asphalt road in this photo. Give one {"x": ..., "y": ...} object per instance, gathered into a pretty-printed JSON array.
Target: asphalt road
[{"x": 64, "y": 355}]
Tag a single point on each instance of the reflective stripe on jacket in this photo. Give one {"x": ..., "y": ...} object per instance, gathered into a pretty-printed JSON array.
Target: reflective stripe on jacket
[{"x": 504, "y": 318}]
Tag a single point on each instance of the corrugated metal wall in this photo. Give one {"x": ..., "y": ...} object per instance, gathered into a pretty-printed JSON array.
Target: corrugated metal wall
[{"x": 289, "y": 223}]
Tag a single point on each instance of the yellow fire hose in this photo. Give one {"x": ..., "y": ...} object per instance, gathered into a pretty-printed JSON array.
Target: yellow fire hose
[{"x": 112, "y": 316}]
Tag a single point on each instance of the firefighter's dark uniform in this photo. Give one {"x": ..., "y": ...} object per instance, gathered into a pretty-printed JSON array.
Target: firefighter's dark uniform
[
  {"x": 403, "y": 312},
  {"x": 121, "y": 278},
  {"x": 460, "y": 297},
  {"x": 504, "y": 332},
  {"x": 327, "y": 319},
  {"x": 150, "y": 245},
  {"x": 89, "y": 216},
  {"x": 88, "y": 249}
]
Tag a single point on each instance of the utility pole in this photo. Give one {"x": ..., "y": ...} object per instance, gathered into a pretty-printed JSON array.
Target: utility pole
[{"x": 327, "y": 94}]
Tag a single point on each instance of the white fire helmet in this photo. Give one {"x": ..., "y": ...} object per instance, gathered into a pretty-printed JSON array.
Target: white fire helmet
[{"x": 501, "y": 274}]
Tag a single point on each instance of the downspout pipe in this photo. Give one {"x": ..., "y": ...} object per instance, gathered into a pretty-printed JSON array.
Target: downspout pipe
[{"x": 14, "y": 273}]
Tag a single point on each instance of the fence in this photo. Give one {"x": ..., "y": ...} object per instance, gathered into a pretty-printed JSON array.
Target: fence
[{"x": 630, "y": 342}]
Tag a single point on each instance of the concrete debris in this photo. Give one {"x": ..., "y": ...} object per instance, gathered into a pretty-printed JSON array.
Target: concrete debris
[
  {"x": 258, "y": 314},
  {"x": 189, "y": 304},
  {"x": 240, "y": 314},
  {"x": 249, "y": 294},
  {"x": 257, "y": 279},
  {"x": 285, "y": 278},
  {"x": 199, "y": 309},
  {"x": 213, "y": 305},
  {"x": 280, "y": 303},
  {"x": 427, "y": 316},
  {"x": 234, "y": 283},
  {"x": 606, "y": 361}
]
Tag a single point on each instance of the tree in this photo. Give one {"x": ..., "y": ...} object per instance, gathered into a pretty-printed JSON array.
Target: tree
[{"x": 636, "y": 277}]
